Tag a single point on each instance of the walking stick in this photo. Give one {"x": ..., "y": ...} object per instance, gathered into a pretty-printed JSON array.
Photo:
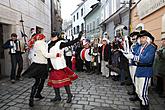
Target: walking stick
[{"x": 23, "y": 33}]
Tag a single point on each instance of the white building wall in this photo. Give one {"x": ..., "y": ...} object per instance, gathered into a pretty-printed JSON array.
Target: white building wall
[
  {"x": 34, "y": 13},
  {"x": 86, "y": 9},
  {"x": 69, "y": 33}
]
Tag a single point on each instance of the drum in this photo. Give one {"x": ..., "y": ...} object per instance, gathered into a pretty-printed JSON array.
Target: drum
[{"x": 85, "y": 55}]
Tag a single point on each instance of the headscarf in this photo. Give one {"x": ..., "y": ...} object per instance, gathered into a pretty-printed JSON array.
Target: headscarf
[{"x": 34, "y": 39}]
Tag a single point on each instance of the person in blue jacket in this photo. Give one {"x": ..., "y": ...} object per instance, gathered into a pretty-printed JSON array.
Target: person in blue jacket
[{"x": 144, "y": 58}]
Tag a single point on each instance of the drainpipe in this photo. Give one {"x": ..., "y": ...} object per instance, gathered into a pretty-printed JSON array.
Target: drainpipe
[
  {"x": 129, "y": 22},
  {"x": 51, "y": 13}
]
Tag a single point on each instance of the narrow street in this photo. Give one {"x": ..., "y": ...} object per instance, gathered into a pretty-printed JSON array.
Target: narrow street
[{"x": 91, "y": 92}]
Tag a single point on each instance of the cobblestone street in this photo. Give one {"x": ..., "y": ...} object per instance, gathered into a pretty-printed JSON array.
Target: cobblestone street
[{"x": 91, "y": 92}]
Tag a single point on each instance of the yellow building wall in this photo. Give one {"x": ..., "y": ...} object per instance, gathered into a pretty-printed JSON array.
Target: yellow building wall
[{"x": 152, "y": 22}]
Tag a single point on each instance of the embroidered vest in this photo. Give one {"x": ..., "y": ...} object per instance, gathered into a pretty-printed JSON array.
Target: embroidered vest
[{"x": 59, "y": 61}]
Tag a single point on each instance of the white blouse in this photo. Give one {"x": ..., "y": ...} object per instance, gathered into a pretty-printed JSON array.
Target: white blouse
[{"x": 40, "y": 52}]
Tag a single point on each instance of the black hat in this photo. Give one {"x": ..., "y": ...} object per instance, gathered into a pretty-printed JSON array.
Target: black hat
[
  {"x": 133, "y": 34},
  {"x": 146, "y": 33},
  {"x": 54, "y": 34}
]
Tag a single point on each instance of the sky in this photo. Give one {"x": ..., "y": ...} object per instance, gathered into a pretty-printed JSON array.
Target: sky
[{"x": 67, "y": 7}]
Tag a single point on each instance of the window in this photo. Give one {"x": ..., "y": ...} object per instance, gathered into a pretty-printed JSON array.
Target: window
[
  {"x": 74, "y": 30},
  {"x": 43, "y": 1},
  {"x": 90, "y": 28},
  {"x": 39, "y": 30},
  {"x": 113, "y": 6},
  {"x": 82, "y": 27},
  {"x": 87, "y": 28},
  {"x": 98, "y": 21},
  {"x": 82, "y": 12},
  {"x": 74, "y": 18},
  {"x": 77, "y": 15},
  {"x": 93, "y": 26},
  {"x": 78, "y": 29}
]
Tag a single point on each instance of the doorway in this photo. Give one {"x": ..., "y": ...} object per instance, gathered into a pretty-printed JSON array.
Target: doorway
[{"x": 2, "y": 56}]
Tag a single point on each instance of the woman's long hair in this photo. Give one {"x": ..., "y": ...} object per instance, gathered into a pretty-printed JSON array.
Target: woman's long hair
[{"x": 34, "y": 39}]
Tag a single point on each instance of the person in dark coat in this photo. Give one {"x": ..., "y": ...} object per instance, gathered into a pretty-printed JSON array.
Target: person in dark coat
[
  {"x": 14, "y": 46},
  {"x": 105, "y": 56},
  {"x": 159, "y": 69},
  {"x": 79, "y": 61}
]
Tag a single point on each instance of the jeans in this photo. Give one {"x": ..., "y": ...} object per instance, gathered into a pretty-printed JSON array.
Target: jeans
[
  {"x": 122, "y": 75},
  {"x": 16, "y": 59}
]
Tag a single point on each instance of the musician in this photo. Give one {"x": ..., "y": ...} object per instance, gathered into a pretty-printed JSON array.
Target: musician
[
  {"x": 86, "y": 44},
  {"x": 68, "y": 55},
  {"x": 14, "y": 45},
  {"x": 143, "y": 58},
  {"x": 132, "y": 67},
  {"x": 79, "y": 61},
  {"x": 105, "y": 56},
  {"x": 94, "y": 54},
  {"x": 60, "y": 74}
]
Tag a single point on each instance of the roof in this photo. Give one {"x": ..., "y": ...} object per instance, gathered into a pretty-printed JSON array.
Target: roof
[
  {"x": 94, "y": 7},
  {"x": 79, "y": 5}
]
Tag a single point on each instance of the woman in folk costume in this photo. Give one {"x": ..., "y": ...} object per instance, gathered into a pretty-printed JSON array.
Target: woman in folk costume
[
  {"x": 60, "y": 74},
  {"x": 105, "y": 57},
  {"x": 38, "y": 69}
]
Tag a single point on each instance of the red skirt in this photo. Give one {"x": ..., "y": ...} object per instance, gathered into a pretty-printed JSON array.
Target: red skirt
[{"x": 60, "y": 78}]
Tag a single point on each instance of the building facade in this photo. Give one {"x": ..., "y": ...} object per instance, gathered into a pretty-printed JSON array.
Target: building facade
[
  {"x": 67, "y": 28},
  {"x": 92, "y": 21},
  {"x": 114, "y": 17},
  {"x": 35, "y": 14},
  {"x": 78, "y": 16},
  {"x": 56, "y": 20},
  {"x": 149, "y": 15}
]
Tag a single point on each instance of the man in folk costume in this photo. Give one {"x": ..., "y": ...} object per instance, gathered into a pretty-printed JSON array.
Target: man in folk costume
[
  {"x": 16, "y": 57},
  {"x": 132, "y": 67},
  {"x": 68, "y": 55},
  {"x": 60, "y": 74},
  {"x": 38, "y": 69},
  {"x": 143, "y": 59},
  {"x": 79, "y": 61},
  {"x": 94, "y": 60},
  {"x": 105, "y": 55}
]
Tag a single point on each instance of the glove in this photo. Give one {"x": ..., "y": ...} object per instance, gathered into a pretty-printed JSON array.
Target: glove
[
  {"x": 80, "y": 35},
  {"x": 136, "y": 58}
]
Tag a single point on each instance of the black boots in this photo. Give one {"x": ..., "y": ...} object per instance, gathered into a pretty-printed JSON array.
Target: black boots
[
  {"x": 31, "y": 100},
  {"x": 143, "y": 107},
  {"x": 69, "y": 100},
  {"x": 57, "y": 97},
  {"x": 134, "y": 98},
  {"x": 40, "y": 87},
  {"x": 132, "y": 92},
  {"x": 38, "y": 95}
]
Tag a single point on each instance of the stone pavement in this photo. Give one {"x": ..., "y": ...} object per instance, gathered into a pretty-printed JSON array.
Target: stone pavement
[{"x": 91, "y": 92}]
